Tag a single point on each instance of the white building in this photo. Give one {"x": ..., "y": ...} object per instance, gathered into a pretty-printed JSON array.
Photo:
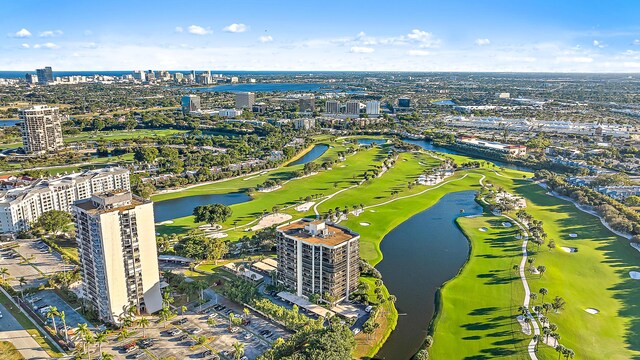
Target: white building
[
  {"x": 229, "y": 113},
  {"x": 352, "y": 108},
  {"x": 21, "y": 207},
  {"x": 304, "y": 124},
  {"x": 116, "y": 240},
  {"x": 332, "y": 107},
  {"x": 139, "y": 75},
  {"x": 373, "y": 107},
  {"x": 245, "y": 100},
  {"x": 41, "y": 129}
]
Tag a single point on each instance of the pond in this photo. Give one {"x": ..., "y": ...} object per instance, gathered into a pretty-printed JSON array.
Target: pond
[
  {"x": 311, "y": 155},
  {"x": 371, "y": 141},
  {"x": 180, "y": 207},
  {"x": 9, "y": 122},
  {"x": 419, "y": 256}
]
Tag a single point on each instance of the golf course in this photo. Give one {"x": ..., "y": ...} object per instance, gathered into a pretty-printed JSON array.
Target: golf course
[{"x": 478, "y": 308}]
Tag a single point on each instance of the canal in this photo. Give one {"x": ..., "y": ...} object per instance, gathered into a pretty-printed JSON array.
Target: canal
[
  {"x": 311, "y": 155},
  {"x": 180, "y": 207},
  {"x": 419, "y": 256}
]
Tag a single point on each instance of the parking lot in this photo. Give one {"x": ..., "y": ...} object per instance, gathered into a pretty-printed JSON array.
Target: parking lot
[
  {"x": 50, "y": 298},
  {"x": 47, "y": 263},
  {"x": 256, "y": 337}
]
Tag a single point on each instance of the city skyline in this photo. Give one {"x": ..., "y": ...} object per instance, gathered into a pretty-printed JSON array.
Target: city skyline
[{"x": 530, "y": 36}]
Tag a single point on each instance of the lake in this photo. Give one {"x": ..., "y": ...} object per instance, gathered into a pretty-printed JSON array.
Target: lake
[
  {"x": 419, "y": 256},
  {"x": 268, "y": 87},
  {"x": 180, "y": 207},
  {"x": 9, "y": 122},
  {"x": 371, "y": 141},
  {"x": 311, "y": 155}
]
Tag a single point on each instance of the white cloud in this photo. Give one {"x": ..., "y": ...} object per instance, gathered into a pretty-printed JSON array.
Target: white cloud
[
  {"x": 22, "y": 33},
  {"x": 265, "y": 38},
  {"x": 636, "y": 42},
  {"x": 419, "y": 35},
  {"x": 482, "y": 42},
  {"x": 574, "y": 59},
  {"x": 48, "y": 45},
  {"x": 179, "y": 29},
  {"x": 361, "y": 50},
  {"x": 418, "y": 53},
  {"x": 599, "y": 44},
  {"x": 632, "y": 64},
  {"x": 25, "y": 46},
  {"x": 236, "y": 28},
  {"x": 51, "y": 33},
  {"x": 198, "y": 30}
]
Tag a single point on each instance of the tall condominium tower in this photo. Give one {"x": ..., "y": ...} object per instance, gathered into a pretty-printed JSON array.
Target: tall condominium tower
[
  {"x": 190, "y": 103},
  {"x": 353, "y": 108},
  {"x": 373, "y": 107},
  {"x": 41, "y": 129},
  {"x": 118, "y": 256},
  {"x": 315, "y": 257},
  {"x": 332, "y": 107},
  {"x": 245, "y": 100},
  {"x": 45, "y": 75}
]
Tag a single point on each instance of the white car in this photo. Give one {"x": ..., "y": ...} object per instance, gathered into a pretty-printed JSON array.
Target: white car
[
  {"x": 356, "y": 331},
  {"x": 196, "y": 330},
  {"x": 0, "y": 314}
]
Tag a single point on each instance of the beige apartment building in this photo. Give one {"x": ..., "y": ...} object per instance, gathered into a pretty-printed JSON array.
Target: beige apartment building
[
  {"x": 316, "y": 257},
  {"x": 41, "y": 129},
  {"x": 116, "y": 240}
]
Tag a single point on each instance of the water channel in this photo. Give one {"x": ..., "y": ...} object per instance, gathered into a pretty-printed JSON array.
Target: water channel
[
  {"x": 419, "y": 256},
  {"x": 311, "y": 155}
]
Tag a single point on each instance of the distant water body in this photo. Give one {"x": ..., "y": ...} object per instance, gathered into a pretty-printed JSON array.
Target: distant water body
[{"x": 9, "y": 122}]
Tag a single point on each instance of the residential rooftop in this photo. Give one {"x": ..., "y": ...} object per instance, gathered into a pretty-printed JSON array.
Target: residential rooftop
[{"x": 317, "y": 232}]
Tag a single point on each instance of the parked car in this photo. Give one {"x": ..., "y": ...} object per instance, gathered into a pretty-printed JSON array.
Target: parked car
[
  {"x": 175, "y": 332},
  {"x": 183, "y": 337},
  {"x": 368, "y": 308},
  {"x": 356, "y": 331},
  {"x": 130, "y": 349},
  {"x": 182, "y": 321},
  {"x": 206, "y": 353},
  {"x": 196, "y": 330}
]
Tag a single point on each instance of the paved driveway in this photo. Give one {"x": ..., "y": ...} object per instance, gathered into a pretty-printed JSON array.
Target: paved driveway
[{"x": 11, "y": 330}]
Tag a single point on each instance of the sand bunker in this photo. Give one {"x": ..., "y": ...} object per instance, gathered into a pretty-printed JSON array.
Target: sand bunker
[
  {"x": 573, "y": 235},
  {"x": 372, "y": 210},
  {"x": 569, "y": 249},
  {"x": 167, "y": 222},
  {"x": 305, "y": 207},
  {"x": 634, "y": 275},
  {"x": 365, "y": 224},
  {"x": 507, "y": 224},
  {"x": 592, "y": 311},
  {"x": 483, "y": 229},
  {"x": 269, "y": 220},
  {"x": 217, "y": 235}
]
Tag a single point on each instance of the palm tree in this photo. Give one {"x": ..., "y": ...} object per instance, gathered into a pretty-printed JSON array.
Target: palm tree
[
  {"x": 167, "y": 299},
  {"x": 22, "y": 282},
  {"x": 543, "y": 292},
  {"x": 83, "y": 330},
  {"x": 246, "y": 313},
  {"x": 106, "y": 356},
  {"x": 165, "y": 313},
  {"x": 52, "y": 313},
  {"x": 183, "y": 309},
  {"x": 536, "y": 339},
  {"x": 533, "y": 297},
  {"x": 558, "y": 303},
  {"x": 542, "y": 269},
  {"x": 212, "y": 321},
  {"x": 4, "y": 272},
  {"x": 143, "y": 322},
  {"x": 238, "y": 350},
  {"x": 560, "y": 349},
  {"x": 64, "y": 325},
  {"x": 100, "y": 338}
]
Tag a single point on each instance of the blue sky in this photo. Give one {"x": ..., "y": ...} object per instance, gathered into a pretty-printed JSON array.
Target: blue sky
[{"x": 489, "y": 35}]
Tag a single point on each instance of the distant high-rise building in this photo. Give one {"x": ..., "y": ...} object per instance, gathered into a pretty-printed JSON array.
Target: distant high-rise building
[
  {"x": 41, "y": 129},
  {"x": 332, "y": 107},
  {"x": 190, "y": 103},
  {"x": 307, "y": 103},
  {"x": 151, "y": 75},
  {"x": 373, "y": 107},
  {"x": 204, "y": 78},
  {"x": 404, "y": 102},
  {"x": 139, "y": 75},
  {"x": 315, "y": 257},
  {"x": 31, "y": 78},
  {"x": 304, "y": 124},
  {"x": 178, "y": 77},
  {"x": 234, "y": 79},
  {"x": 45, "y": 75},
  {"x": 352, "y": 108},
  {"x": 245, "y": 100},
  {"x": 259, "y": 108},
  {"x": 116, "y": 240}
]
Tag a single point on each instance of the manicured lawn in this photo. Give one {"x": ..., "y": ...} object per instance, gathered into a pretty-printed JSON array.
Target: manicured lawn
[
  {"x": 597, "y": 276},
  {"x": 477, "y": 318},
  {"x": 9, "y": 352},
  {"x": 121, "y": 134}
]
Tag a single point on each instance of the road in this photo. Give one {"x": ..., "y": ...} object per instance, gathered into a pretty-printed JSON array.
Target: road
[{"x": 12, "y": 331}]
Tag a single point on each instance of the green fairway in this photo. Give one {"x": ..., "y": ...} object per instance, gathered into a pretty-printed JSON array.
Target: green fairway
[
  {"x": 594, "y": 277},
  {"x": 477, "y": 318}
]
